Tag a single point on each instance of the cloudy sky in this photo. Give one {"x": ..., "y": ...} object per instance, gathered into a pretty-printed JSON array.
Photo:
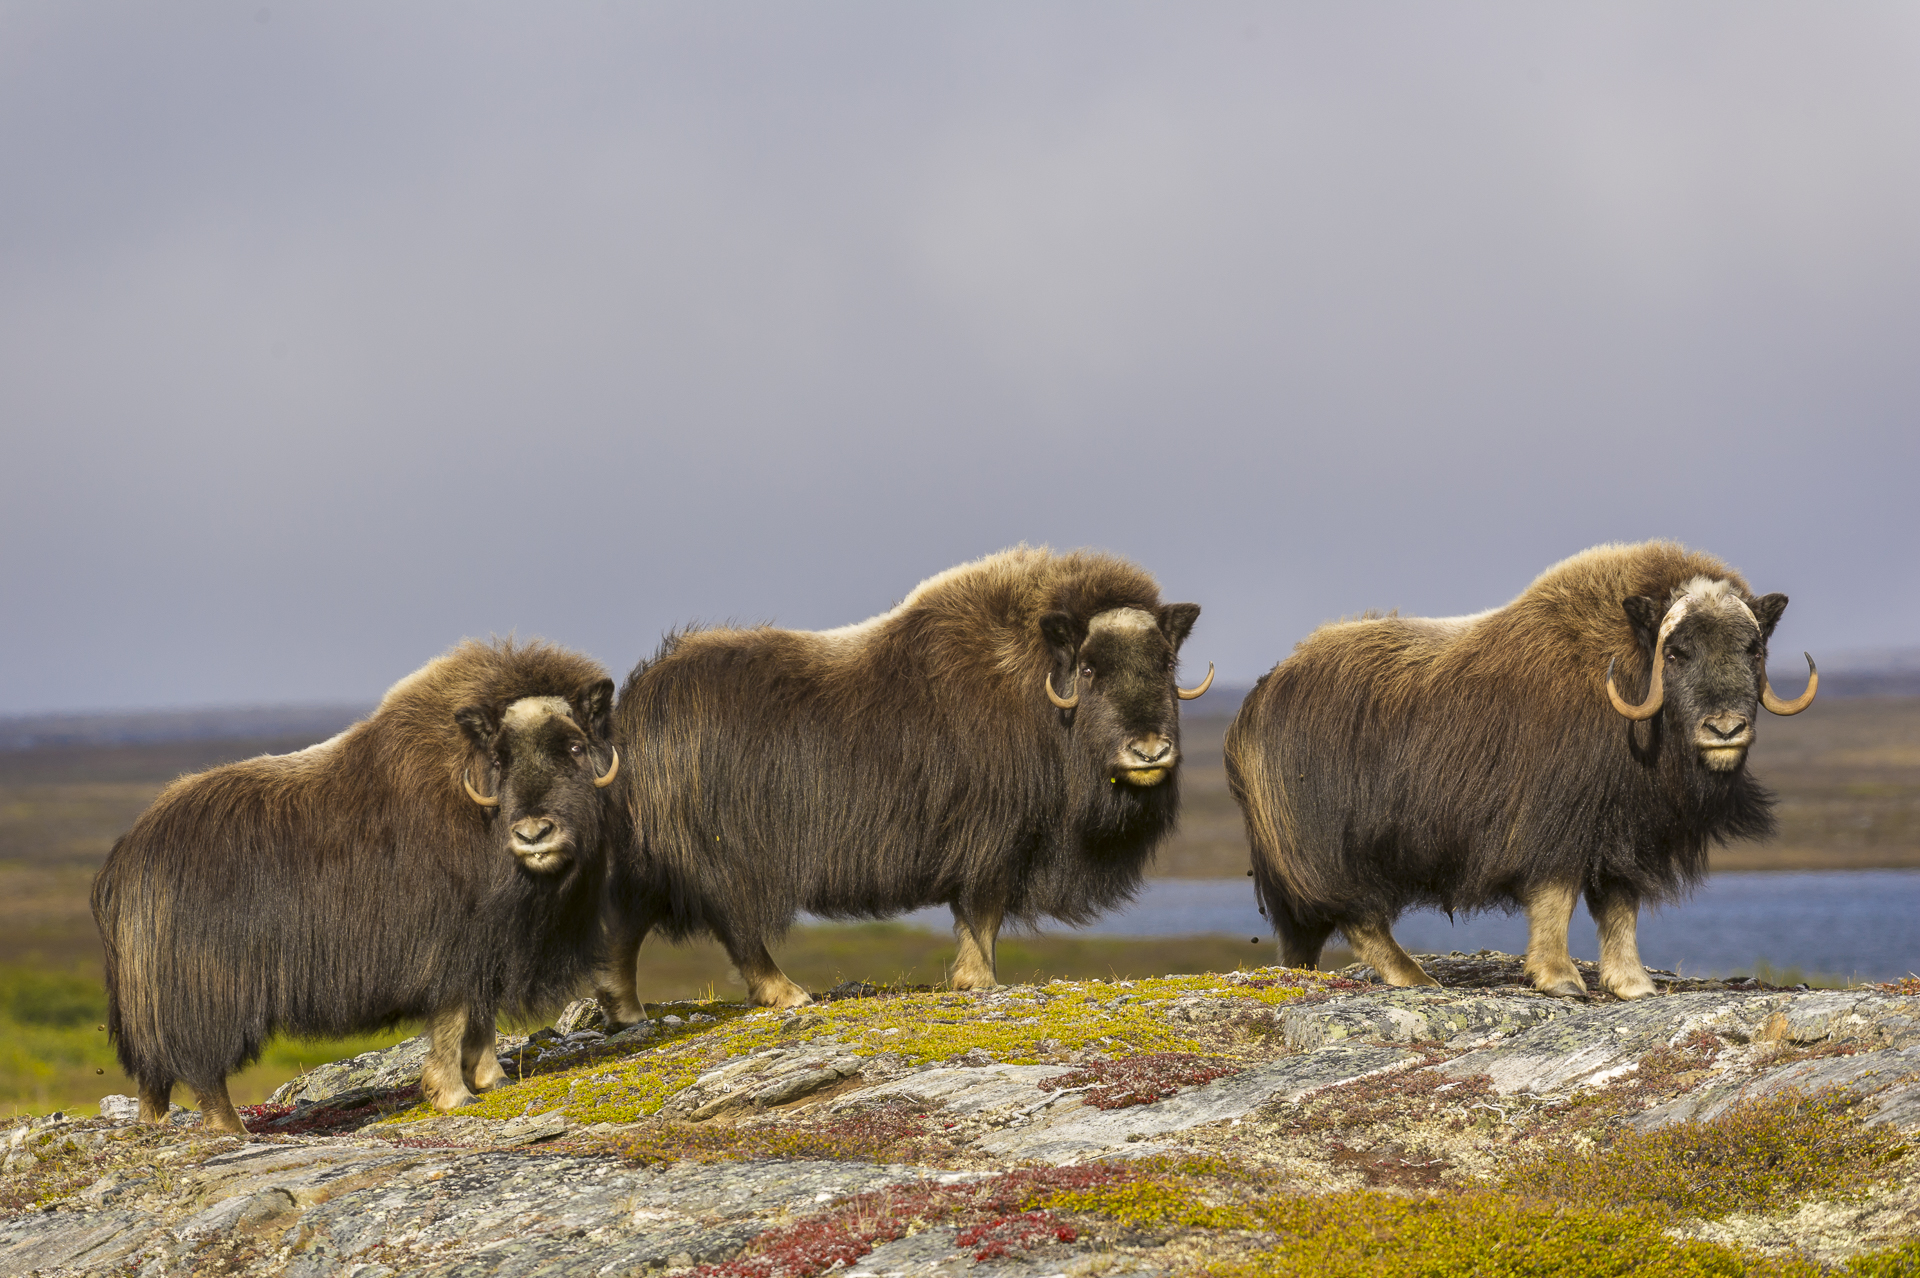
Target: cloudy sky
[{"x": 330, "y": 334}]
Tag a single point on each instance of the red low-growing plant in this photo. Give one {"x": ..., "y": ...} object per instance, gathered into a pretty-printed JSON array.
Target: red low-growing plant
[
  {"x": 996, "y": 1238},
  {"x": 1141, "y": 1080},
  {"x": 1001, "y": 1208}
]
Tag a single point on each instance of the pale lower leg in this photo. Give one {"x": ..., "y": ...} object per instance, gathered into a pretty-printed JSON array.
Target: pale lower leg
[
  {"x": 1373, "y": 944},
  {"x": 976, "y": 933},
  {"x": 1622, "y": 974},
  {"x": 442, "y": 1081},
  {"x": 479, "y": 1064},
  {"x": 1549, "y": 966},
  {"x": 767, "y": 985},
  {"x": 617, "y": 984},
  {"x": 216, "y": 1109}
]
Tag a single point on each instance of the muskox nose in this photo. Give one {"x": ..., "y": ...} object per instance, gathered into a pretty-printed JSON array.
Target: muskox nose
[
  {"x": 532, "y": 831},
  {"x": 1728, "y": 727},
  {"x": 1149, "y": 751}
]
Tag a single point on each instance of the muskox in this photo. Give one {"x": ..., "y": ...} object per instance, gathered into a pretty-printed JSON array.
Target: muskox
[
  {"x": 443, "y": 859},
  {"x": 1492, "y": 760},
  {"x": 1006, "y": 742}
]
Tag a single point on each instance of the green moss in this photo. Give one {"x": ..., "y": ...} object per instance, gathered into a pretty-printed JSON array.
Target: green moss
[
  {"x": 1757, "y": 1156},
  {"x": 1153, "y": 1204},
  {"x": 1362, "y": 1234},
  {"x": 1028, "y": 1025}
]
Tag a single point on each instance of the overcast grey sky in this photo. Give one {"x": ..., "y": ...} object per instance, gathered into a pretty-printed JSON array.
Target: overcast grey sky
[{"x": 330, "y": 334}]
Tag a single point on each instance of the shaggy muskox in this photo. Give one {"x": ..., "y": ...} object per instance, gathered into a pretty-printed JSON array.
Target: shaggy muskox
[
  {"x": 1468, "y": 762},
  {"x": 1006, "y": 741},
  {"x": 442, "y": 859}
]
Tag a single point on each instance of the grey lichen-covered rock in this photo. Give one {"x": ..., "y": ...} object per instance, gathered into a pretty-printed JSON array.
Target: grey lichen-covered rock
[
  {"x": 396, "y": 1067},
  {"x": 1413, "y": 1015},
  {"x": 532, "y": 1189},
  {"x": 1071, "y": 1131},
  {"x": 1889, "y": 1079}
]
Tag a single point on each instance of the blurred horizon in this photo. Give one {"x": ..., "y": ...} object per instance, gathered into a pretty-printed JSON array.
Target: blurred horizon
[{"x": 1865, "y": 672}]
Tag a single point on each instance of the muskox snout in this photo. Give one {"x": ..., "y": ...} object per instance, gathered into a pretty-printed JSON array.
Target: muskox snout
[
  {"x": 532, "y": 831},
  {"x": 1723, "y": 740},
  {"x": 1147, "y": 760},
  {"x": 539, "y": 842}
]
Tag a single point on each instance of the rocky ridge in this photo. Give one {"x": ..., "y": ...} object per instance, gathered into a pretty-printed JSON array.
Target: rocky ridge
[{"x": 973, "y": 1133}]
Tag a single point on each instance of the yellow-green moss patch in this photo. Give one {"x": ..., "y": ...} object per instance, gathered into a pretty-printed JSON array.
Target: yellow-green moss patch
[
  {"x": 1363, "y": 1234},
  {"x": 1758, "y": 1156},
  {"x": 1019, "y": 1025}
]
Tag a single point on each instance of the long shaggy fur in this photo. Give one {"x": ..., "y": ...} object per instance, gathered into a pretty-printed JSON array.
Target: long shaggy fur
[
  {"x": 1464, "y": 762},
  {"x": 340, "y": 889},
  {"x": 907, "y": 761}
]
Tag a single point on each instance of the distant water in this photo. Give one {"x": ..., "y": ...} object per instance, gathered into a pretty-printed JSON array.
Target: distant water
[{"x": 1855, "y": 923}]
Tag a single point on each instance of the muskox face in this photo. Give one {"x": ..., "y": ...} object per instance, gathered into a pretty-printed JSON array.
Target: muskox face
[
  {"x": 547, "y": 762},
  {"x": 1119, "y": 676},
  {"x": 1708, "y": 646}
]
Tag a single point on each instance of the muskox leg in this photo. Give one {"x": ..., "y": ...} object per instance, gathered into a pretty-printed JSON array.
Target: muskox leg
[
  {"x": 617, "y": 985},
  {"x": 479, "y": 1063},
  {"x": 441, "y": 1079},
  {"x": 1373, "y": 944},
  {"x": 156, "y": 1100},
  {"x": 1549, "y": 966},
  {"x": 976, "y": 931},
  {"x": 1617, "y": 916},
  {"x": 1301, "y": 940},
  {"x": 767, "y": 985},
  {"x": 216, "y": 1109}
]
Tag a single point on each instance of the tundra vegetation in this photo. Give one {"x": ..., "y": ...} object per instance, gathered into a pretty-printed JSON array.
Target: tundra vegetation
[{"x": 1422, "y": 1166}]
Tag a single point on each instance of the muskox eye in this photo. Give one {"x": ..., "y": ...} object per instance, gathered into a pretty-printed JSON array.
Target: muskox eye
[
  {"x": 576, "y": 749},
  {"x": 1087, "y": 671}
]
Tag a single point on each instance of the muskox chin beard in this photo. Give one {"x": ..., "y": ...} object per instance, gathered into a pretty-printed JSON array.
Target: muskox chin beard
[{"x": 1113, "y": 811}]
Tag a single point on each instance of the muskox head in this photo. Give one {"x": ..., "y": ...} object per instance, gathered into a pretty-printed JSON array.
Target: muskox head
[
  {"x": 1118, "y": 675},
  {"x": 1708, "y": 647},
  {"x": 541, "y": 764}
]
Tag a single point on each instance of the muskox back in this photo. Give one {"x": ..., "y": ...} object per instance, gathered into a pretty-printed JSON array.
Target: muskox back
[
  {"x": 914, "y": 759},
  {"x": 354, "y": 884},
  {"x": 1475, "y": 762}
]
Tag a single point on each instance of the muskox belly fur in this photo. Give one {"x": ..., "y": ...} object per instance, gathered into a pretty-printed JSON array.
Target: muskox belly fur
[
  {"x": 1488, "y": 762},
  {"x": 1005, "y": 742},
  {"x": 443, "y": 860}
]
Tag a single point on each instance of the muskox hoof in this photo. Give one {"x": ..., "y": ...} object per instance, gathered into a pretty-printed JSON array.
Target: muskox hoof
[
  {"x": 789, "y": 995},
  {"x": 1563, "y": 989},
  {"x": 446, "y": 1102},
  {"x": 1629, "y": 987}
]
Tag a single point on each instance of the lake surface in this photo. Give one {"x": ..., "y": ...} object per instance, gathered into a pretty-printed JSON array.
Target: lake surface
[{"x": 1851, "y": 923}]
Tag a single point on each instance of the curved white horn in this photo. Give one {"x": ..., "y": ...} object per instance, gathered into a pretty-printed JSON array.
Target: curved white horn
[
  {"x": 1799, "y": 703},
  {"x": 1656, "y": 694},
  {"x": 1065, "y": 703},
  {"x": 613, "y": 770},
  {"x": 1186, "y": 694},
  {"x": 475, "y": 795}
]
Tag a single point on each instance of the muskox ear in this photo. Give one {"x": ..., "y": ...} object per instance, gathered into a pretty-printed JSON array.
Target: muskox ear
[
  {"x": 481, "y": 725},
  {"x": 1646, "y": 616},
  {"x": 1176, "y": 622},
  {"x": 1061, "y": 634},
  {"x": 1766, "y": 611},
  {"x": 592, "y": 708}
]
